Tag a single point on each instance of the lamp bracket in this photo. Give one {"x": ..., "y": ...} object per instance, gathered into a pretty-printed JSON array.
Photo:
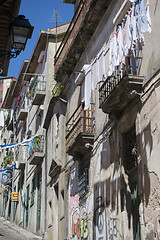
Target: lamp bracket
[{"x": 9, "y": 54}]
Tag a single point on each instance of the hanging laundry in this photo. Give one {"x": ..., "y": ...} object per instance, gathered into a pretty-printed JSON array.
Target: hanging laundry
[
  {"x": 94, "y": 73},
  {"x": 148, "y": 17},
  {"x": 5, "y": 114},
  {"x": 18, "y": 99},
  {"x": 100, "y": 59},
  {"x": 111, "y": 58},
  {"x": 1, "y": 119},
  {"x": 117, "y": 59},
  {"x": 133, "y": 22},
  {"x": 11, "y": 117},
  {"x": 120, "y": 40},
  {"x": 129, "y": 33},
  {"x": 144, "y": 24},
  {"x": 87, "y": 70},
  {"x": 123, "y": 39},
  {"x": 138, "y": 20}
]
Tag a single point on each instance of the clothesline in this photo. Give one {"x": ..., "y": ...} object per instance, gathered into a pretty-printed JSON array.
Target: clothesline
[
  {"x": 17, "y": 144},
  {"x": 3, "y": 170},
  {"x": 136, "y": 22},
  {"x": 130, "y": 30}
]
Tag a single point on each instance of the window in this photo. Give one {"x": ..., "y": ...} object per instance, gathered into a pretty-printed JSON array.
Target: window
[
  {"x": 56, "y": 189},
  {"x": 50, "y": 221},
  {"x": 130, "y": 150},
  {"x": 62, "y": 205},
  {"x": 39, "y": 120},
  {"x": 27, "y": 206},
  {"x": 1, "y": 96},
  {"x": 1, "y": 83},
  {"x": 83, "y": 180},
  {"x": 131, "y": 167},
  {"x": 32, "y": 191},
  {"x": 39, "y": 187}
]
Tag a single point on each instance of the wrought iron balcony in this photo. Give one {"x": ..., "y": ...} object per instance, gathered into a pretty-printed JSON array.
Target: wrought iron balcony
[
  {"x": 21, "y": 156},
  {"x": 36, "y": 150},
  {"x": 80, "y": 131},
  {"x": 118, "y": 90},
  {"x": 22, "y": 109},
  {"x": 37, "y": 89}
]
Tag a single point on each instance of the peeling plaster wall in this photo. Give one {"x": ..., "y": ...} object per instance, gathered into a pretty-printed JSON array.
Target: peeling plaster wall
[{"x": 111, "y": 196}]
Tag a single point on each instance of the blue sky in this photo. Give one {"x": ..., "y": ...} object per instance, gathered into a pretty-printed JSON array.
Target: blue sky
[{"x": 41, "y": 14}]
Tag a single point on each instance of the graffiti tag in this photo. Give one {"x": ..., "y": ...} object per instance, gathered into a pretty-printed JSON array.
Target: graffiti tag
[
  {"x": 112, "y": 226},
  {"x": 80, "y": 224}
]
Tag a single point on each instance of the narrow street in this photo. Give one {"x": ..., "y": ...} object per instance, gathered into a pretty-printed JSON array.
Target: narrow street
[{"x": 9, "y": 231}]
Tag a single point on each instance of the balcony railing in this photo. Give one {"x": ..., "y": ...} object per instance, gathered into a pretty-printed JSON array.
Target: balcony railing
[
  {"x": 36, "y": 150},
  {"x": 37, "y": 89},
  {"x": 115, "y": 90},
  {"x": 80, "y": 128},
  {"x": 22, "y": 109}
]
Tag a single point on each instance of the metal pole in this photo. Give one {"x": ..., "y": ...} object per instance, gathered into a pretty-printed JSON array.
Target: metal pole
[
  {"x": 12, "y": 202},
  {"x": 56, "y": 14},
  {"x": 13, "y": 173}
]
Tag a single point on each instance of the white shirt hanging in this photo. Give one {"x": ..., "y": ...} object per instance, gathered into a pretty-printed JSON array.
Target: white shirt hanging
[
  {"x": 94, "y": 73},
  {"x": 148, "y": 17},
  {"x": 87, "y": 69},
  {"x": 1, "y": 119}
]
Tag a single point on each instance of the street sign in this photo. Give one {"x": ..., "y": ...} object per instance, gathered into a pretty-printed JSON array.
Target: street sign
[
  {"x": 4, "y": 178},
  {"x": 14, "y": 196}
]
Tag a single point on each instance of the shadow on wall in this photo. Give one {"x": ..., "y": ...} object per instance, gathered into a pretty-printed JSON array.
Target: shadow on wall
[
  {"x": 145, "y": 142},
  {"x": 133, "y": 186}
]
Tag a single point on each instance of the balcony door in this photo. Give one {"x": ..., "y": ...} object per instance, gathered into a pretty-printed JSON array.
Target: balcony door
[{"x": 39, "y": 186}]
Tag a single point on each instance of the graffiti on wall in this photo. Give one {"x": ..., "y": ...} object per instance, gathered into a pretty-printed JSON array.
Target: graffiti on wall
[
  {"x": 73, "y": 202},
  {"x": 157, "y": 227},
  {"x": 78, "y": 214},
  {"x": 112, "y": 228},
  {"x": 79, "y": 220},
  {"x": 100, "y": 227}
]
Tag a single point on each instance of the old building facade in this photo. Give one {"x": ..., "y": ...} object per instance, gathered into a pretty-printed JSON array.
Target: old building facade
[
  {"x": 98, "y": 177},
  {"x": 109, "y": 66},
  {"x": 24, "y": 138}
]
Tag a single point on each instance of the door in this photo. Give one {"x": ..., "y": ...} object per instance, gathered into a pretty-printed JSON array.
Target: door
[
  {"x": 24, "y": 210},
  {"x": 39, "y": 185},
  {"x": 27, "y": 206}
]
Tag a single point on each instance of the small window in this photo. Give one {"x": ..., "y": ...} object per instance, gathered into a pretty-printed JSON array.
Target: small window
[
  {"x": 39, "y": 120},
  {"x": 83, "y": 180},
  {"x": 62, "y": 205},
  {"x": 1, "y": 96},
  {"x": 56, "y": 189},
  {"x": 1, "y": 83},
  {"x": 130, "y": 149},
  {"x": 32, "y": 191}
]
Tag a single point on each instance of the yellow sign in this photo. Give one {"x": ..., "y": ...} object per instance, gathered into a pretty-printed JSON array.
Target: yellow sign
[{"x": 14, "y": 196}]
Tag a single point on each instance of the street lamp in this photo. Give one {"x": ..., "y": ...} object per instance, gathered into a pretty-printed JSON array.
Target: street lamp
[{"x": 21, "y": 31}]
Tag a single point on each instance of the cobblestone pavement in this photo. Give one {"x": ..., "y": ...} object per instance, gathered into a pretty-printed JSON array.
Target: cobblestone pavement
[
  {"x": 9, "y": 231},
  {"x": 6, "y": 233}
]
